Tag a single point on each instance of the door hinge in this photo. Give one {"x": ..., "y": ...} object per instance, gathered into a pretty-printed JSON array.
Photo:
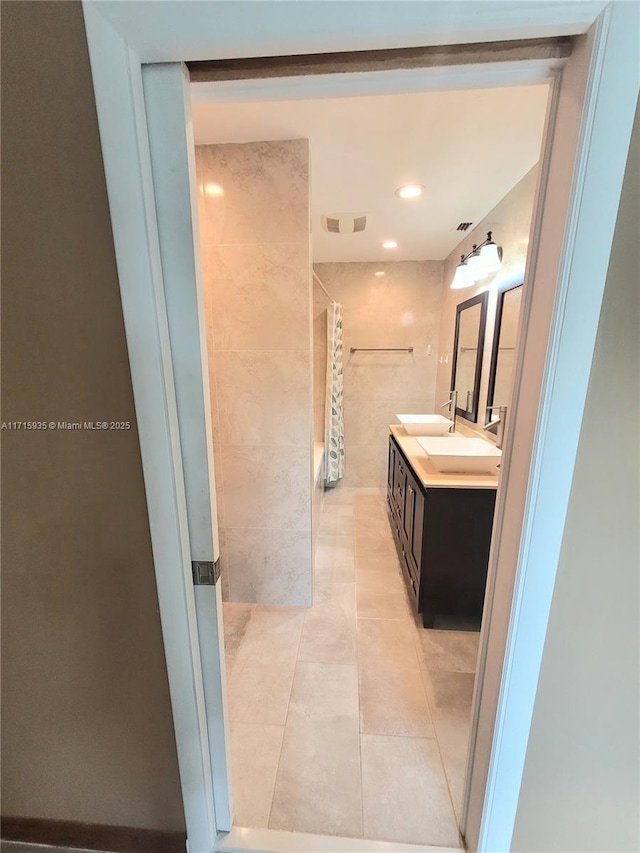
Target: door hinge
[{"x": 205, "y": 572}]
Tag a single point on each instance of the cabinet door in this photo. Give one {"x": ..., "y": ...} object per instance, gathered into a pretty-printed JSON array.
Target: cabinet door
[
  {"x": 391, "y": 472},
  {"x": 399, "y": 481},
  {"x": 409, "y": 509},
  {"x": 417, "y": 527}
]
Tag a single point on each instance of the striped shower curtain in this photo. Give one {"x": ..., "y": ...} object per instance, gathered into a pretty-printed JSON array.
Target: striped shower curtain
[{"x": 334, "y": 411}]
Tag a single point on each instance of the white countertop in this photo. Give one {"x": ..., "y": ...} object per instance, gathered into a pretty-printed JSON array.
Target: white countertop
[{"x": 428, "y": 475}]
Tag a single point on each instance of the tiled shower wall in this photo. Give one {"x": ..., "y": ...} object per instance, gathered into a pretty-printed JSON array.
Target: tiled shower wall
[
  {"x": 256, "y": 261},
  {"x": 398, "y": 309}
]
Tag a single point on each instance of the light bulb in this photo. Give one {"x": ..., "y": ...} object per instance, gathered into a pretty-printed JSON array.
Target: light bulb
[
  {"x": 410, "y": 191},
  {"x": 491, "y": 257},
  {"x": 462, "y": 278}
]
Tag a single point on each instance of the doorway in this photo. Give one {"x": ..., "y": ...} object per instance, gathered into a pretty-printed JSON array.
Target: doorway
[
  {"x": 126, "y": 97},
  {"x": 347, "y": 715}
]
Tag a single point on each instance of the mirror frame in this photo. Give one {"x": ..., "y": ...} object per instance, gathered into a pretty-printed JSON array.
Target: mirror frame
[
  {"x": 493, "y": 368},
  {"x": 479, "y": 299}
]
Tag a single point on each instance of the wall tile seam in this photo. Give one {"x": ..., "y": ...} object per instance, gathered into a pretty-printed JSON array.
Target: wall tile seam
[
  {"x": 241, "y": 349},
  {"x": 304, "y": 445},
  {"x": 280, "y": 529},
  {"x": 215, "y": 245}
]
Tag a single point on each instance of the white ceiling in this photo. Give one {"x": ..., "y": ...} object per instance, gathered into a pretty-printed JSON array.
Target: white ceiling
[{"x": 468, "y": 148}]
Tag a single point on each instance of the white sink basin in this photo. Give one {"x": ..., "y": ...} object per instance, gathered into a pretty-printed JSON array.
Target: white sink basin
[
  {"x": 460, "y": 455},
  {"x": 424, "y": 424}
]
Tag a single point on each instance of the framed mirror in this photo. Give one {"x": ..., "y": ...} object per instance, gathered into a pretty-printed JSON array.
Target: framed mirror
[
  {"x": 468, "y": 343},
  {"x": 503, "y": 355}
]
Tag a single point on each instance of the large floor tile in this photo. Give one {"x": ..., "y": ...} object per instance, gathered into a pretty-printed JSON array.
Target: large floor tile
[
  {"x": 392, "y": 695},
  {"x": 450, "y": 695},
  {"x": 453, "y": 651},
  {"x": 329, "y": 632},
  {"x": 404, "y": 792},
  {"x": 374, "y": 522},
  {"x": 374, "y": 546},
  {"x": 370, "y": 496},
  {"x": 318, "y": 786},
  {"x": 259, "y": 680},
  {"x": 387, "y": 562},
  {"x": 255, "y": 752},
  {"x": 449, "y": 691},
  {"x": 333, "y": 524},
  {"x": 342, "y": 509},
  {"x": 387, "y": 580},
  {"x": 235, "y": 621},
  {"x": 391, "y": 603},
  {"x": 335, "y": 557}
]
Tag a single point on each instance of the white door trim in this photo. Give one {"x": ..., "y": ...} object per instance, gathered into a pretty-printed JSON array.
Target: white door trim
[
  {"x": 117, "y": 75},
  {"x": 168, "y": 112},
  {"x": 118, "y": 43},
  {"x": 570, "y": 247}
]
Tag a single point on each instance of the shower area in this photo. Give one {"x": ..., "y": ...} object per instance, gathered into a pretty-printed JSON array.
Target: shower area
[{"x": 275, "y": 367}]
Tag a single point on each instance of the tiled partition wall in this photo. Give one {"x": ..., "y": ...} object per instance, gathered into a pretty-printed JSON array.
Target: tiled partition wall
[
  {"x": 398, "y": 309},
  {"x": 510, "y": 221},
  {"x": 320, "y": 304},
  {"x": 255, "y": 240}
]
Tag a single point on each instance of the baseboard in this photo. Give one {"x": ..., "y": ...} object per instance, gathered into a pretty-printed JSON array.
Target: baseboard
[{"x": 91, "y": 836}]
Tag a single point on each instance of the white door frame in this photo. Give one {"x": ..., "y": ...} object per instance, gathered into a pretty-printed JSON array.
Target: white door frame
[{"x": 567, "y": 269}]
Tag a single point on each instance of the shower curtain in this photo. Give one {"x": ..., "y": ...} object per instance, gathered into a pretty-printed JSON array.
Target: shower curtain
[{"x": 334, "y": 411}]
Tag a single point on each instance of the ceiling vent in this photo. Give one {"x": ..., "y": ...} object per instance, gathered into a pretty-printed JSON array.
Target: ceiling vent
[
  {"x": 464, "y": 226},
  {"x": 344, "y": 223}
]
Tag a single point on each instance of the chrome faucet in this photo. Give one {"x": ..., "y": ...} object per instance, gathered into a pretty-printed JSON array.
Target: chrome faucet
[
  {"x": 498, "y": 423},
  {"x": 452, "y": 403}
]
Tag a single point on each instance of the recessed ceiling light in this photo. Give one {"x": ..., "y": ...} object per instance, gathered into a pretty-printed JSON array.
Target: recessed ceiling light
[
  {"x": 410, "y": 191},
  {"x": 379, "y": 272},
  {"x": 389, "y": 244}
]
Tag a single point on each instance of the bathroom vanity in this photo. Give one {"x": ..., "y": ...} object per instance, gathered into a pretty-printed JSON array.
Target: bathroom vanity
[{"x": 442, "y": 527}]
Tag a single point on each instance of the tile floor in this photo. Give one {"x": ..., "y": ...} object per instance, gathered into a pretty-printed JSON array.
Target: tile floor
[{"x": 348, "y": 718}]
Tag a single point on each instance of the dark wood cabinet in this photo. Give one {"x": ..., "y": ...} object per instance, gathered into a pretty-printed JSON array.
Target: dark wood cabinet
[{"x": 443, "y": 537}]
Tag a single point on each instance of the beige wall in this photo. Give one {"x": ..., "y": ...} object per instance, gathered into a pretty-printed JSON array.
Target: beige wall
[
  {"x": 255, "y": 243},
  {"x": 400, "y": 309},
  {"x": 87, "y": 733},
  {"x": 580, "y": 788},
  {"x": 510, "y": 221}
]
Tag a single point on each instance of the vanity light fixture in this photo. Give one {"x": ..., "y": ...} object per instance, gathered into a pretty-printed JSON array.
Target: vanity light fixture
[
  {"x": 410, "y": 191},
  {"x": 389, "y": 244},
  {"x": 379, "y": 272},
  {"x": 482, "y": 260}
]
